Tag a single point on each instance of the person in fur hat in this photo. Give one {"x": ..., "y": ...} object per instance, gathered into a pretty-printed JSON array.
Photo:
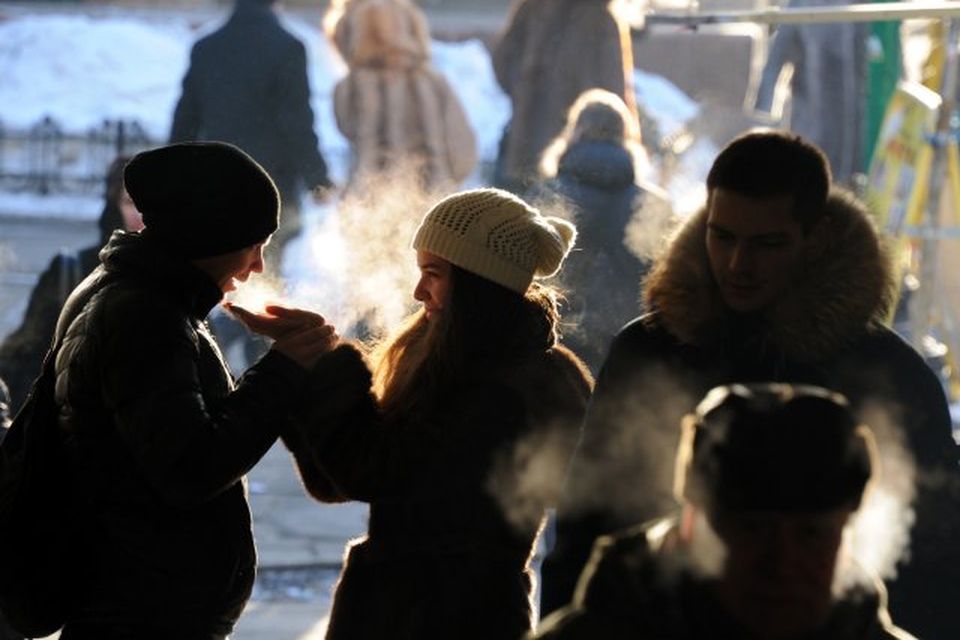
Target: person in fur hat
[
  {"x": 156, "y": 434},
  {"x": 399, "y": 114},
  {"x": 339, "y": 26},
  {"x": 778, "y": 278},
  {"x": 596, "y": 170},
  {"x": 770, "y": 477},
  {"x": 458, "y": 435},
  {"x": 551, "y": 52}
]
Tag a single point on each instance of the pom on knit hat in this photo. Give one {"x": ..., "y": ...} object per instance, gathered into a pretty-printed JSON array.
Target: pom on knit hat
[
  {"x": 202, "y": 199},
  {"x": 496, "y": 235}
]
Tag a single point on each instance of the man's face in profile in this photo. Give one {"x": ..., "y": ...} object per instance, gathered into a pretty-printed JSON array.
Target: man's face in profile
[{"x": 778, "y": 575}]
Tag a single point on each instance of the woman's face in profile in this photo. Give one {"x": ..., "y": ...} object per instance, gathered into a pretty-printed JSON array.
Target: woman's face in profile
[{"x": 435, "y": 285}]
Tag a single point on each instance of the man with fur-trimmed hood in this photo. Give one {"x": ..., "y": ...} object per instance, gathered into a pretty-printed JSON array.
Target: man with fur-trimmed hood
[{"x": 778, "y": 278}]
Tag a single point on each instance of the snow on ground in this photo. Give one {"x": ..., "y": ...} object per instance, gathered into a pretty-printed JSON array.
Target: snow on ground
[{"x": 83, "y": 69}]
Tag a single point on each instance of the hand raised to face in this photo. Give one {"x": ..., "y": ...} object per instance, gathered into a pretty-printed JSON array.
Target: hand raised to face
[{"x": 300, "y": 334}]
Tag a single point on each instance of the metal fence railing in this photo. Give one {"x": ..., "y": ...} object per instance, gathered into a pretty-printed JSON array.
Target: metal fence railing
[{"x": 45, "y": 159}]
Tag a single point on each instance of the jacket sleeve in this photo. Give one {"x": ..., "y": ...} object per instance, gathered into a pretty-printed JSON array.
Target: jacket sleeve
[
  {"x": 186, "y": 115},
  {"x": 783, "y": 49},
  {"x": 188, "y": 449},
  {"x": 295, "y": 120}
]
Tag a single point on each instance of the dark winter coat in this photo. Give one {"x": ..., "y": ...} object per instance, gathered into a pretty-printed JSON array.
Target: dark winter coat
[
  {"x": 247, "y": 84},
  {"x": 159, "y": 439},
  {"x": 827, "y": 331},
  {"x": 636, "y": 587},
  {"x": 457, "y": 493},
  {"x": 22, "y": 351},
  {"x": 597, "y": 185},
  {"x": 828, "y": 86},
  {"x": 551, "y": 52}
]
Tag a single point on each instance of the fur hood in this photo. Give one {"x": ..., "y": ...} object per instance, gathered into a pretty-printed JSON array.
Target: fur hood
[
  {"x": 842, "y": 293},
  {"x": 387, "y": 34}
]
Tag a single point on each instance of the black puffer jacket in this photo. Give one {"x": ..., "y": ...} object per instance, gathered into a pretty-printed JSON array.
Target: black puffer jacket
[
  {"x": 639, "y": 584},
  {"x": 159, "y": 440},
  {"x": 827, "y": 330},
  {"x": 457, "y": 493}
]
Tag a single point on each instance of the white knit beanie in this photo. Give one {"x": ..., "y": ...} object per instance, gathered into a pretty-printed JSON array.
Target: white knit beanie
[{"x": 496, "y": 235}]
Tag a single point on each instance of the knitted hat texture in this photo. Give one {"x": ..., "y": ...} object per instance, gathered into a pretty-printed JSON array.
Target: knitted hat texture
[
  {"x": 203, "y": 199},
  {"x": 496, "y": 235}
]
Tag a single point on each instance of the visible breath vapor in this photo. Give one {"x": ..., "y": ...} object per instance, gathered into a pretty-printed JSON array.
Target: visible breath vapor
[{"x": 880, "y": 532}]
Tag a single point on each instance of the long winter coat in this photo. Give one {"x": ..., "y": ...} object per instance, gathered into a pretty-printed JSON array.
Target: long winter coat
[
  {"x": 827, "y": 330},
  {"x": 393, "y": 107},
  {"x": 247, "y": 85},
  {"x": 551, "y": 52},
  {"x": 632, "y": 589},
  {"x": 158, "y": 439},
  {"x": 597, "y": 185},
  {"x": 457, "y": 493},
  {"x": 828, "y": 86}
]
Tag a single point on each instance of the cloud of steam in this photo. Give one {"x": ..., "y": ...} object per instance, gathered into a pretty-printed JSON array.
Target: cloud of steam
[
  {"x": 607, "y": 472},
  {"x": 527, "y": 479},
  {"x": 355, "y": 266},
  {"x": 361, "y": 255},
  {"x": 880, "y": 532}
]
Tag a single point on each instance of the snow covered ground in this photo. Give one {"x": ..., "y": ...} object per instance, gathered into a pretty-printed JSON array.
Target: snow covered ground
[{"x": 83, "y": 69}]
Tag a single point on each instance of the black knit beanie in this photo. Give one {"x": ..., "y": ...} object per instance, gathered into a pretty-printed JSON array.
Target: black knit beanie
[
  {"x": 776, "y": 447},
  {"x": 202, "y": 199}
]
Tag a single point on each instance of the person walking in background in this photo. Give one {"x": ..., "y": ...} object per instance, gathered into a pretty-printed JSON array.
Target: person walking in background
[
  {"x": 780, "y": 277},
  {"x": 595, "y": 167},
  {"x": 459, "y": 436},
  {"x": 338, "y": 24},
  {"x": 827, "y": 88},
  {"x": 758, "y": 549},
  {"x": 400, "y": 115},
  {"x": 156, "y": 434},
  {"x": 550, "y": 53},
  {"x": 247, "y": 85},
  {"x": 22, "y": 351}
]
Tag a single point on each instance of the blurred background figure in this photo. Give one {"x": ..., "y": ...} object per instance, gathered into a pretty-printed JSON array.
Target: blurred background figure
[
  {"x": 22, "y": 352},
  {"x": 827, "y": 88},
  {"x": 596, "y": 167},
  {"x": 338, "y": 26},
  {"x": 247, "y": 85},
  {"x": 542, "y": 63},
  {"x": 770, "y": 476},
  {"x": 397, "y": 111},
  {"x": 6, "y": 415}
]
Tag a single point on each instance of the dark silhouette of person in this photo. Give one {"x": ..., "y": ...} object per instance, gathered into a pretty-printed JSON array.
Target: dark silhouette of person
[{"x": 247, "y": 85}]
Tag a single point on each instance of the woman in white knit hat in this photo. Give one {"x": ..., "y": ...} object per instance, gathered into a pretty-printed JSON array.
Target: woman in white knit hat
[{"x": 458, "y": 436}]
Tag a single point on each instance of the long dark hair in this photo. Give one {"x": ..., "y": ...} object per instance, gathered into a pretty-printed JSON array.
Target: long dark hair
[{"x": 484, "y": 326}]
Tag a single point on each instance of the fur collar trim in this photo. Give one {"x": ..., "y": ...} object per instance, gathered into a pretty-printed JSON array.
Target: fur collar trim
[{"x": 840, "y": 295}]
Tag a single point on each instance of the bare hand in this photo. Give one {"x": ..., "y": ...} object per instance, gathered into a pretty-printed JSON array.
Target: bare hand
[{"x": 299, "y": 334}]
